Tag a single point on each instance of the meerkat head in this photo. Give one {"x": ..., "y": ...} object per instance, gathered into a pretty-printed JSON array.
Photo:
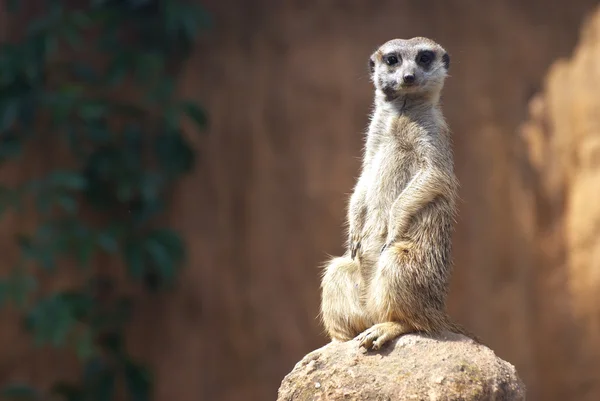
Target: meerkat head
[{"x": 416, "y": 66}]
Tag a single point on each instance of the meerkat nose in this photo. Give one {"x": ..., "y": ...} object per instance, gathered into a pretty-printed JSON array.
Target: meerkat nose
[{"x": 408, "y": 78}]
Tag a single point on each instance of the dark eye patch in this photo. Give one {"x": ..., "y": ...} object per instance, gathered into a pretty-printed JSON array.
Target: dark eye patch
[
  {"x": 391, "y": 59},
  {"x": 425, "y": 57},
  {"x": 446, "y": 60}
]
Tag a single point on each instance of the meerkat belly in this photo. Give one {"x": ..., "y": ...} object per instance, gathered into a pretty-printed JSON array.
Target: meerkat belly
[{"x": 391, "y": 170}]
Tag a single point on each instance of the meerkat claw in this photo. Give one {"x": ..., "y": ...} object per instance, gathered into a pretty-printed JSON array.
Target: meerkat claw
[
  {"x": 380, "y": 334},
  {"x": 354, "y": 246},
  {"x": 354, "y": 250},
  {"x": 363, "y": 339},
  {"x": 368, "y": 339}
]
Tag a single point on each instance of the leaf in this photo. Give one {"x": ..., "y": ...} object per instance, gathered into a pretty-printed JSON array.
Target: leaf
[
  {"x": 59, "y": 104},
  {"x": 148, "y": 66},
  {"x": 113, "y": 342},
  {"x": 46, "y": 199},
  {"x": 196, "y": 113},
  {"x": 171, "y": 241},
  {"x": 98, "y": 131},
  {"x": 51, "y": 320},
  {"x": 161, "y": 258},
  {"x": 108, "y": 241},
  {"x": 10, "y": 145},
  {"x": 27, "y": 113},
  {"x": 134, "y": 141},
  {"x": 150, "y": 206},
  {"x": 4, "y": 292},
  {"x": 99, "y": 381},
  {"x": 123, "y": 310},
  {"x": 74, "y": 141},
  {"x": 43, "y": 203},
  {"x": 151, "y": 184},
  {"x": 9, "y": 110},
  {"x": 125, "y": 191},
  {"x": 42, "y": 24},
  {"x": 171, "y": 120},
  {"x": 19, "y": 285},
  {"x": 38, "y": 248},
  {"x": 84, "y": 72},
  {"x": 189, "y": 23},
  {"x": 81, "y": 19},
  {"x": 103, "y": 164},
  {"x": 84, "y": 344},
  {"x": 67, "y": 202},
  {"x": 163, "y": 91},
  {"x": 78, "y": 303},
  {"x": 118, "y": 69},
  {"x": 72, "y": 180},
  {"x": 72, "y": 36},
  {"x": 134, "y": 258},
  {"x": 9, "y": 197},
  {"x": 59, "y": 332},
  {"x": 19, "y": 392},
  {"x": 84, "y": 251},
  {"x": 138, "y": 381},
  {"x": 69, "y": 392},
  {"x": 204, "y": 18},
  {"x": 91, "y": 370},
  {"x": 174, "y": 154},
  {"x": 171, "y": 15},
  {"x": 40, "y": 45},
  {"x": 166, "y": 251},
  {"x": 92, "y": 110},
  {"x": 105, "y": 386},
  {"x": 55, "y": 238}
]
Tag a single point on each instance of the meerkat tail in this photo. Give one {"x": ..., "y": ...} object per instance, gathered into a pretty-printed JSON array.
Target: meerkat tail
[{"x": 454, "y": 327}]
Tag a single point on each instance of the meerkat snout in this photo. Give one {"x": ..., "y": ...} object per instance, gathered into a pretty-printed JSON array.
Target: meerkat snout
[{"x": 409, "y": 79}]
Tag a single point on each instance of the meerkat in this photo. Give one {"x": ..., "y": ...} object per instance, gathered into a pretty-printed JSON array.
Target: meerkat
[{"x": 394, "y": 277}]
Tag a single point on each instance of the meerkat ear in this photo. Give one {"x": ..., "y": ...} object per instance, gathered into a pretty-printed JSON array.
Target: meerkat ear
[
  {"x": 371, "y": 65},
  {"x": 446, "y": 61}
]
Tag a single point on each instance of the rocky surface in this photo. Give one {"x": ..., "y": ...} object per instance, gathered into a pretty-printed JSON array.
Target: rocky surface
[{"x": 413, "y": 367}]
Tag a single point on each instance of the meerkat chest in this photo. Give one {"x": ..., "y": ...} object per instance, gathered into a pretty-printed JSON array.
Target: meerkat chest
[{"x": 393, "y": 165}]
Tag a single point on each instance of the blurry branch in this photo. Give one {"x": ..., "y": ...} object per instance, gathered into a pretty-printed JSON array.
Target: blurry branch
[{"x": 95, "y": 83}]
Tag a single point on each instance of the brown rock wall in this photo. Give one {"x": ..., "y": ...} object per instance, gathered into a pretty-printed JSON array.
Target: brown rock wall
[{"x": 288, "y": 95}]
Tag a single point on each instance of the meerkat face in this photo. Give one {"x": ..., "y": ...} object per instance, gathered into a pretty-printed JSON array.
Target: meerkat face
[{"x": 414, "y": 66}]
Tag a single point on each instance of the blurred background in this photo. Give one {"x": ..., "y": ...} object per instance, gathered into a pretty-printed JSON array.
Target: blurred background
[{"x": 173, "y": 173}]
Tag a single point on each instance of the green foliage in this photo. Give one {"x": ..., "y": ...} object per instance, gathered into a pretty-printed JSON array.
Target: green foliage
[{"x": 95, "y": 83}]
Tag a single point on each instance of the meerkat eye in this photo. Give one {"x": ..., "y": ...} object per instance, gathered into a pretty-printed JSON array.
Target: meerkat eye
[
  {"x": 425, "y": 57},
  {"x": 391, "y": 60}
]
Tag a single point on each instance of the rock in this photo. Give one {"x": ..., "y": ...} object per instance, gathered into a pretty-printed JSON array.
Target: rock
[{"x": 413, "y": 367}]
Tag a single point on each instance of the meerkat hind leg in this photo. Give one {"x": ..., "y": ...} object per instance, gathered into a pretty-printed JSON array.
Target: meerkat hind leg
[
  {"x": 341, "y": 309},
  {"x": 387, "y": 298}
]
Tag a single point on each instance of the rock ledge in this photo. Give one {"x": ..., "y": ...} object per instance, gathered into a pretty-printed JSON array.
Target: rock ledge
[{"x": 413, "y": 367}]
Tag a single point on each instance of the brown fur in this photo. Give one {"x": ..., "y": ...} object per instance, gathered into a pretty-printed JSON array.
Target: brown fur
[{"x": 394, "y": 277}]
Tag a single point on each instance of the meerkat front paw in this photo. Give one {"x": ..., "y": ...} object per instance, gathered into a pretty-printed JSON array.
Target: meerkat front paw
[
  {"x": 380, "y": 334},
  {"x": 391, "y": 238},
  {"x": 354, "y": 244},
  {"x": 388, "y": 243}
]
